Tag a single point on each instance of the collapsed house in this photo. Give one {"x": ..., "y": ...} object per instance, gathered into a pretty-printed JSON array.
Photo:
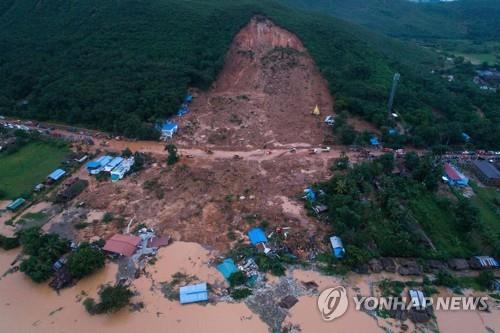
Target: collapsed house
[{"x": 259, "y": 240}]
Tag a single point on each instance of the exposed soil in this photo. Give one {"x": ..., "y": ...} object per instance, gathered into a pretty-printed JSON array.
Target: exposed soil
[
  {"x": 264, "y": 95},
  {"x": 212, "y": 202}
]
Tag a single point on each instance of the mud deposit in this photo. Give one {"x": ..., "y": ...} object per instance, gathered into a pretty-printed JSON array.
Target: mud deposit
[{"x": 264, "y": 95}]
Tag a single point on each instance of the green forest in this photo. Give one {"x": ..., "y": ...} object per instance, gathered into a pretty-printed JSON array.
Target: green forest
[
  {"x": 474, "y": 19},
  {"x": 120, "y": 66},
  {"x": 388, "y": 207}
]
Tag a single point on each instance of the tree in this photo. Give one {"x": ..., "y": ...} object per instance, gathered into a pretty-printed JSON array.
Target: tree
[
  {"x": 237, "y": 278},
  {"x": 84, "y": 261},
  {"x": 485, "y": 279},
  {"x": 126, "y": 152},
  {"x": 113, "y": 298},
  {"x": 172, "y": 157},
  {"x": 38, "y": 269}
]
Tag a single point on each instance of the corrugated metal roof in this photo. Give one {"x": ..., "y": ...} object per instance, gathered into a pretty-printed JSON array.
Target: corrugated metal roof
[
  {"x": 257, "y": 236},
  {"x": 487, "y": 169},
  {"x": 193, "y": 293},
  {"x": 227, "y": 267},
  {"x": 417, "y": 299},
  {"x": 122, "y": 244},
  {"x": 56, "y": 174},
  {"x": 16, "y": 203},
  {"x": 451, "y": 172},
  {"x": 486, "y": 261}
]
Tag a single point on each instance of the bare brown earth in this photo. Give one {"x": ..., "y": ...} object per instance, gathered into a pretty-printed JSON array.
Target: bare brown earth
[
  {"x": 236, "y": 170},
  {"x": 259, "y": 106},
  {"x": 263, "y": 97},
  {"x": 211, "y": 202}
]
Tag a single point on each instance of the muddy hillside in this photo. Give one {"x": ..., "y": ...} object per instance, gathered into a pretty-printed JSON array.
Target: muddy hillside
[{"x": 264, "y": 96}]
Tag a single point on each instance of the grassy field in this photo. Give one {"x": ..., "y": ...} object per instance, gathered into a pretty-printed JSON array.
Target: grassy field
[
  {"x": 476, "y": 52},
  {"x": 439, "y": 226},
  {"x": 22, "y": 170},
  {"x": 487, "y": 200}
]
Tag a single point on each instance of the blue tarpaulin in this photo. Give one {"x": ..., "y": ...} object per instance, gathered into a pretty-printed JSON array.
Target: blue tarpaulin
[
  {"x": 393, "y": 131},
  {"x": 374, "y": 141},
  {"x": 227, "y": 267},
  {"x": 310, "y": 194},
  {"x": 257, "y": 236},
  {"x": 193, "y": 293},
  {"x": 57, "y": 174},
  {"x": 188, "y": 99},
  {"x": 182, "y": 111},
  {"x": 466, "y": 137}
]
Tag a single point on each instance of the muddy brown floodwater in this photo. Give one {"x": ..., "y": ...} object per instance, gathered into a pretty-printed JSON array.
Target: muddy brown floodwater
[{"x": 28, "y": 307}]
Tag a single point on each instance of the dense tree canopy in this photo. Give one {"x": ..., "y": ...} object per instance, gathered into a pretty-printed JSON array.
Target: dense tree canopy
[{"x": 122, "y": 65}]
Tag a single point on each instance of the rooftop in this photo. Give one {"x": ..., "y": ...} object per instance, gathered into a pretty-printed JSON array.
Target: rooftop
[
  {"x": 122, "y": 244},
  {"x": 487, "y": 169}
]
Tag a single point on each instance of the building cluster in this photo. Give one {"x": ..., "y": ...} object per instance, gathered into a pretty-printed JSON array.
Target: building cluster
[
  {"x": 488, "y": 79},
  {"x": 117, "y": 166},
  {"x": 169, "y": 127}
]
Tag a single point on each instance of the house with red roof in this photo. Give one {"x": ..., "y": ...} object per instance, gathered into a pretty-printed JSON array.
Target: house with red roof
[
  {"x": 124, "y": 245},
  {"x": 454, "y": 177}
]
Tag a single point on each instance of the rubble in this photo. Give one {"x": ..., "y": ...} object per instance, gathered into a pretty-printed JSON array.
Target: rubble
[
  {"x": 409, "y": 267},
  {"x": 388, "y": 264},
  {"x": 375, "y": 265},
  {"x": 458, "y": 264}
]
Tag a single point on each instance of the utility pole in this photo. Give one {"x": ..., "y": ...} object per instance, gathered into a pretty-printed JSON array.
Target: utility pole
[{"x": 395, "y": 81}]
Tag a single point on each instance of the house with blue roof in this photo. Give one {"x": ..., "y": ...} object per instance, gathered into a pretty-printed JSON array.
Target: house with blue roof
[
  {"x": 168, "y": 130},
  {"x": 309, "y": 194},
  {"x": 227, "y": 267},
  {"x": 337, "y": 247},
  {"x": 374, "y": 141},
  {"x": 56, "y": 175},
  {"x": 193, "y": 293},
  {"x": 96, "y": 166},
  {"x": 257, "y": 236}
]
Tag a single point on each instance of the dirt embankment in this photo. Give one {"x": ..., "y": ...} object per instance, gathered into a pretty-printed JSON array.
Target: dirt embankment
[{"x": 263, "y": 97}]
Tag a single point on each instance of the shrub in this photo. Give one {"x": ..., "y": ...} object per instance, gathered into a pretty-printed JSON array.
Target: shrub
[
  {"x": 237, "y": 279},
  {"x": 485, "y": 279},
  {"x": 172, "y": 157},
  {"x": 8, "y": 243},
  {"x": 113, "y": 298},
  {"x": 444, "y": 278},
  {"x": 240, "y": 293}
]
